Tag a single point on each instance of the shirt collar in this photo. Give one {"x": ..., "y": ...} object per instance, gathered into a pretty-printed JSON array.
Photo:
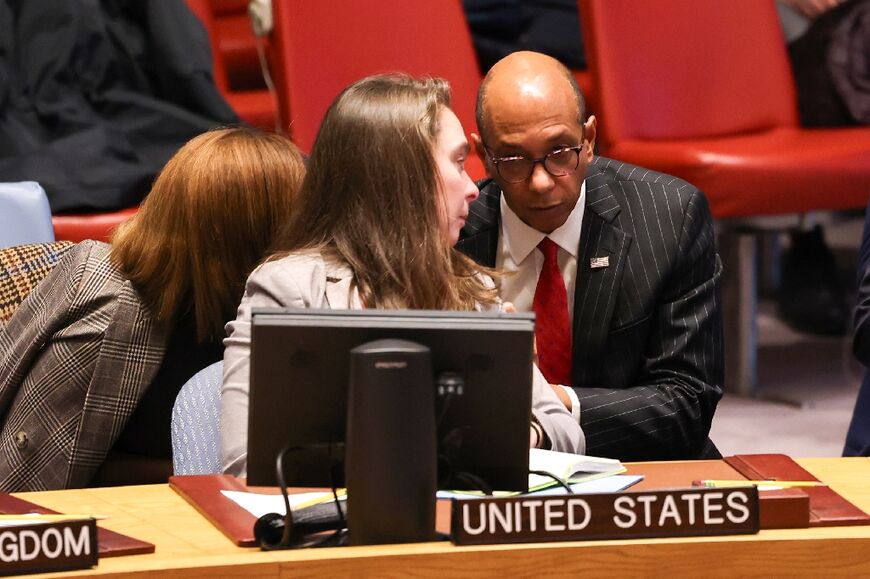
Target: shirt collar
[{"x": 520, "y": 239}]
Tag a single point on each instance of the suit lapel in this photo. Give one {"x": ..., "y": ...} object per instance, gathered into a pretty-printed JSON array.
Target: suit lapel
[
  {"x": 597, "y": 287},
  {"x": 479, "y": 237}
]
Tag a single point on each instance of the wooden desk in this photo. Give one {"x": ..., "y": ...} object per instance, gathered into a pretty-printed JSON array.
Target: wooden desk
[{"x": 188, "y": 546}]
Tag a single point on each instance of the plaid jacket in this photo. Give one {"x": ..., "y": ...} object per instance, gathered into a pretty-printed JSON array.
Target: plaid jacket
[
  {"x": 22, "y": 267},
  {"x": 75, "y": 359}
]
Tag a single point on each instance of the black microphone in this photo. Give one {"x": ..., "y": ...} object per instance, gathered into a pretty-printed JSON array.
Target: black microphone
[
  {"x": 274, "y": 531},
  {"x": 269, "y": 532}
]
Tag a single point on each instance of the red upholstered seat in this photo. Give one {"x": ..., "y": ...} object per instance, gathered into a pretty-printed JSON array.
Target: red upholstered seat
[
  {"x": 587, "y": 87},
  {"x": 318, "y": 48},
  {"x": 236, "y": 44},
  {"x": 99, "y": 226},
  {"x": 775, "y": 171},
  {"x": 256, "y": 107},
  {"x": 704, "y": 91},
  {"x": 224, "y": 7},
  {"x": 237, "y": 47}
]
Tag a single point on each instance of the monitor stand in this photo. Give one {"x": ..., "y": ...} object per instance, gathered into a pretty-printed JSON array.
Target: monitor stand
[{"x": 390, "y": 459}]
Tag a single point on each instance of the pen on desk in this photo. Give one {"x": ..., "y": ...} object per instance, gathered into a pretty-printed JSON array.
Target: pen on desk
[
  {"x": 37, "y": 517},
  {"x": 710, "y": 483}
]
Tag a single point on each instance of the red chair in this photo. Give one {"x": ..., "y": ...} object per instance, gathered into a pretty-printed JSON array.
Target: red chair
[
  {"x": 256, "y": 107},
  {"x": 587, "y": 87},
  {"x": 236, "y": 44},
  {"x": 320, "y": 46},
  {"x": 704, "y": 91},
  {"x": 99, "y": 226}
]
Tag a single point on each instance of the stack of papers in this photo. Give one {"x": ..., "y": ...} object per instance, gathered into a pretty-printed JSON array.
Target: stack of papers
[
  {"x": 585, "y": 474},
  {"x": 259, "y": 504},
  {"x": 572, "y": 468}
]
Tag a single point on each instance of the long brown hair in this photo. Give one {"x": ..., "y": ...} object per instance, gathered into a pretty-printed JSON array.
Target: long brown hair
[
  {"x": 371, "y": 198},
  {"x": 210, "y": 217}
]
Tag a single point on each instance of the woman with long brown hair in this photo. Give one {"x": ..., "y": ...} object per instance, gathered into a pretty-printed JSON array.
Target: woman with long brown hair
[
  {"x": 380, "y": 209},
  {"x": 103, "y": 344}
]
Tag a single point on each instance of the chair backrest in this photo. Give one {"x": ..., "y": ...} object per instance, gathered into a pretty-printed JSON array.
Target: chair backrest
[
  {"x": 229, "y": 6},
  {"x": 204, "y": 11},
  {"x": 195, "y": 423},
  {"x": 320, "y": 46},
  {"x": 25, "y": 216},
  {"x": 97, "y": 226},
  {"x": 688, "y": 69}
]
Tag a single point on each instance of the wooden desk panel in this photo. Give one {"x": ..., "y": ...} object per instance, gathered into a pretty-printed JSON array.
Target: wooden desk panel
[{"x": 188, "y": 546}]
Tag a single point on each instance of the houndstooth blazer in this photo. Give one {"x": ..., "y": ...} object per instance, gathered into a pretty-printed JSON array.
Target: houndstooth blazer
[
  {"x": 75, "y": 359},
  {"x": 647, "y": 329},
  {"x": 22, "y": 267}
]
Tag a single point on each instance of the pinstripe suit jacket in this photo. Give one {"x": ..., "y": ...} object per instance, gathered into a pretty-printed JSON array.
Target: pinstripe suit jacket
[
  {"x": 647, "y": 329},
  {"x": 75, "y": 359}
]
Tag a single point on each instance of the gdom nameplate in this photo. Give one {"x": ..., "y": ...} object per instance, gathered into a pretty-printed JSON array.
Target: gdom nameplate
[
  {"x": 52, "y": 546},
  {"x": 627, "y": 515}
]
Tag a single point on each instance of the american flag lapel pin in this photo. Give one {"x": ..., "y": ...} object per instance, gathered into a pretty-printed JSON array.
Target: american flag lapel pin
[{"x": 599, "y": 262}]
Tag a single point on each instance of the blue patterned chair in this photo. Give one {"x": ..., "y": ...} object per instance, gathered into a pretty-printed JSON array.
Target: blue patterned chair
[{"x": 196, "y": 423}]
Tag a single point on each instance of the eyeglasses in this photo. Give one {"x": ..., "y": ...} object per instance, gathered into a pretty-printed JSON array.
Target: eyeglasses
[{"x": 558, "y": 163}]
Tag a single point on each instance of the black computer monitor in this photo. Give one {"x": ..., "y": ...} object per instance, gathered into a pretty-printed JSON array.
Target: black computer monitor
[{"x": 299, "y": 388}]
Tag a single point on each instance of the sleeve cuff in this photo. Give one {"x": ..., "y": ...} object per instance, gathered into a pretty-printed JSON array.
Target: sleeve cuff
[{"x": 575, "y": 402}]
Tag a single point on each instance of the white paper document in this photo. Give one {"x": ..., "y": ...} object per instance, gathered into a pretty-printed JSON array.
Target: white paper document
[{"x": 259, "y": 504}]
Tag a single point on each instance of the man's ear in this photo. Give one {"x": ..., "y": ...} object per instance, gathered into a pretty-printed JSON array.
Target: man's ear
[
  {"x": 480, "y": 150},
  {"x": 590, "y": 129}
]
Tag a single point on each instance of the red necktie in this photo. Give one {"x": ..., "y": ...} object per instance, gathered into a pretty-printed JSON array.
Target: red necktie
[{"x": 552, "y": 328}]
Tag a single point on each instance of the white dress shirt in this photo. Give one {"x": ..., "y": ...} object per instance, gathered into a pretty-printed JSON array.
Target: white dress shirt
[{"x": 518, "y": 256}]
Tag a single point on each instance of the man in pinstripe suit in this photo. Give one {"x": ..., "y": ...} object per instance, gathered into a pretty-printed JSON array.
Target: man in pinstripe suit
[{"x": 635, "y": 250}]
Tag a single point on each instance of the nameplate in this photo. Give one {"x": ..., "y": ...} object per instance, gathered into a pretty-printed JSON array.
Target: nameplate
[
  {"x": 626, "y": 515},
  {"x": 43, "y": 547}
]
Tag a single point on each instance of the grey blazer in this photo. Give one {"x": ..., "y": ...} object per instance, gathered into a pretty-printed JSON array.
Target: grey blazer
[
  {"x": 75, "y": 359},
  {"x": 309, "y": 281},
  {"x": 647, "y": 329}
]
